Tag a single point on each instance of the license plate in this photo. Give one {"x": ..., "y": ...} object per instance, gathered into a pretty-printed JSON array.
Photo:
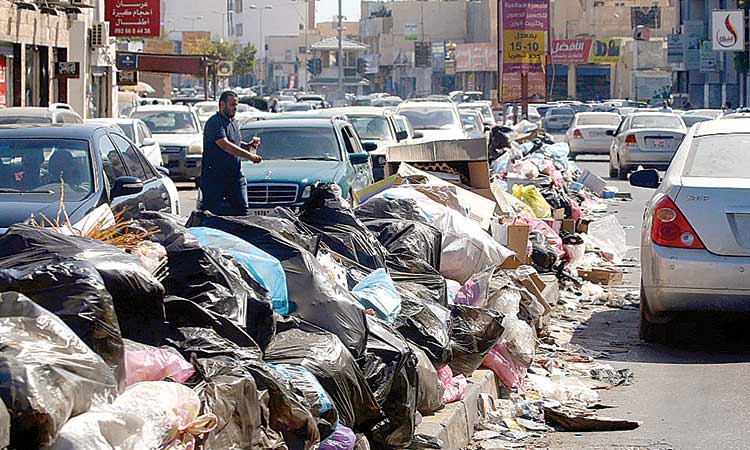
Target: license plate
[
  {"x": 260, "y": 211},
  {"x": 659, "y": 143},
  {"x": 598, "y": 134}
]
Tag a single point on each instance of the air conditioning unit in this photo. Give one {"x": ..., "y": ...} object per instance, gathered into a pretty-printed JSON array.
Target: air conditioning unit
[{"x": 99, "y": 34}]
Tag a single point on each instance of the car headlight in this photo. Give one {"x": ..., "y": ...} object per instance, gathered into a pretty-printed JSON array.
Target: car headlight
[
  {"x": 306, "y": 192},
  {"x": 195, "y": 149},
  {"x": 381, "y": 160}
]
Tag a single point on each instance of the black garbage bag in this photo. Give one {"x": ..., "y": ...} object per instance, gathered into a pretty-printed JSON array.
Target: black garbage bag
[
  {"x": 230, "y": 392},
  {"x": 211, "y": 278},
  {"x": 474, "y": 332},
  {"x": 393, "y": 209},
  {"x": 428, "y": 285},
  {"x": 314, "y": 297},
  {"x": 137, "y": 295},
  {"x": 289, "y": 412},
  {"x": 47, "y": 373},
  {"x": 327, "y": 214},
  {"x": 74, "y": 291},
  {"x": 557, "y": 199},
  {"x": 427, "y": 325},
  {"x": 408, "y": 239},
  {"x": 390, "y": 367},
  {"x": 282, "y": 221},
  {"x": 429, "y": 389},
  {"x": 323, "y": 354}
]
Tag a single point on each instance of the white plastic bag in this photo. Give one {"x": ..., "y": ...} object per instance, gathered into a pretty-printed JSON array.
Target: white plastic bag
[{"x": 607, "y": 234}]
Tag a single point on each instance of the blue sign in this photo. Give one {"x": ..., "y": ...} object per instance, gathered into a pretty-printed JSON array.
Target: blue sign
[{"x": 127, "y": 61}]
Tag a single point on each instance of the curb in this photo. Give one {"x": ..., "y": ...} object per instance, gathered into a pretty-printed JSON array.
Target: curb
[{"x": 454, "y": 425}]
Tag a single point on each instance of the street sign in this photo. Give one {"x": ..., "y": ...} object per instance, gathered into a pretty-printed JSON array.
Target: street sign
[
  {"x": 66, "y": 70},
  {"x": 410, "y": 32},
  {"x": 224, "y": 69},
  {"x": 709, "y": 58},
  {"x": 127, "y": 61},
  {"x": 692, "y": 39},
  {"x": 127, "y": 78},
  {"x": 422, "y": 54},
  {"x": 674, "y": 49},
  {"x": 728, "y": 31}
]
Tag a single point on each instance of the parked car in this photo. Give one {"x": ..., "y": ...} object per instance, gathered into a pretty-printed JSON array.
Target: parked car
[
  {"x": 692, "y": 119},
  {"x": 588, "y": 133},
  {"x": 91, "y": 165},
  {"x": 39, "y": 115},
  {"x": 385, "y": 102},
  {"x": 695, "y": 244},
  {"x": 472, "y": 123},
  {"x": 154, "y": 101},
  {"x": 644, "y": 139},
  {"x": 712, "y": 113},
  {"x": 137, "y": 131},
  {"x": 558, "y": 119},
  {"x": 318, "y": 100},
  {"x": 206, "y": 109},
  {"x": 436, "y": 120},
  {"x": 301, "y": 106},
  {"x": 297, "y": 155},
  {"x": 178, "y": 131},
  {"x": 483, "y": 108},
  {"x": 126, "y": 103}
]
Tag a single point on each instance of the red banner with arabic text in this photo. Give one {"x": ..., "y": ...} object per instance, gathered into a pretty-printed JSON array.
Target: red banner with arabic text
[{"x": 133, "y": 18}]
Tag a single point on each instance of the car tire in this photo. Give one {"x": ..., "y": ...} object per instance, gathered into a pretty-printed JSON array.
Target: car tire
[
  {"x": 573, "y": 156},
  {"x": 649, "y": 330},
  {"x": 613, "y": 172},
  {"x": 622, "y": 173}
]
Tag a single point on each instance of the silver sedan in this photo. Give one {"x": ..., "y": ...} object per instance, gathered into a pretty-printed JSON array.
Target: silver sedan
[
  {"x": 588, "y": 133},
  {"x": 695, "y": 243},
  {"x": 644, "y": 139}
]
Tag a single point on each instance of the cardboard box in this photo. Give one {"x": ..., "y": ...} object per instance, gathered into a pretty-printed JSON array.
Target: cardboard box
[
  {"x": 602, "y": 276},
  {"x": 593, "y": 182},
  {"x": 558, "y": 214},
  {"x": 569, "y": 226},
  {"x": 518, "y": 239},
  {"x": 438, "y": 151}
]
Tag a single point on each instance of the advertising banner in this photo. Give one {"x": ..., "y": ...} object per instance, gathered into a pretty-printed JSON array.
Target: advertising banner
[
  {"x": 512, "y": 87},
  {"x": 605, "y": 51},
  {"x": 480, "y": 57},
  {"x": 674, "y": 49},
  {"x": 410, "y": 32},
  {"x": 709, "y": 58},
  {"x": 571, "y": 51},
  {"x": 3, "y": 89},
  {"x": 191, "y": 41},
  {"x": 133, "y": 18},
  {"x": 524, "y": 31},
  {"x": 692, "y": 39},
  {"x": 728, "y": 31}
]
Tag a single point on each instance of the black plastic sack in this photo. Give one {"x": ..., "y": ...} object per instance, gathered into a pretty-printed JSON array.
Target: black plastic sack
[
  {"x": 474, "y": 332},
  {"x": 427, "y": 325},
  {"x": 429, "y": 389},
  {"x": 282, "y": 221},
  {"x": 230, "y": 392},
  {"x": 314, "y": 296},
  {"x": 395, "y": 209},
  {"x": 408, "y": 239},
  {"x": 137, "y": 295},
  {"x": 428, "y": 286},
  {"x": 289, "y": 412},
  {"x": 47, "y": 373},
  {"x": 326, "y": 214},
  {"x": 390, "y": 367},
  {"x": 74, "y": 291},
  {"x": 323, "y": 354},
  {"x": 557, "y": 199}
]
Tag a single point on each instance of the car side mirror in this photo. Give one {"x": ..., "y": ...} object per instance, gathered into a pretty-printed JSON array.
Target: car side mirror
[
  {"x": 148, "y": 142},
  {"x": 359, "y": 158},
  {"x": 163, "y": 170},
  {"x": 369, "y": 146},
  {"x": 401, "y": 135},
  {"x": 610, "y": 132},
  {"x": 124, "y": 186},
  {"x": 418, "y": 135},
  {"x": 487, "y": 128},
  {"x": 648, "y": 178}
]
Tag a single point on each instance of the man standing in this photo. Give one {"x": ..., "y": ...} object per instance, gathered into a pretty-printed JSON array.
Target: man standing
[
  {"x": 665, "y": 107},
  {"x": 221, "y": 175}
]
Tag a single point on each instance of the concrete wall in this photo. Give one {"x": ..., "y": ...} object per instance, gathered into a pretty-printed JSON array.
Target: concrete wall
[{"x": 574, "y": 18}]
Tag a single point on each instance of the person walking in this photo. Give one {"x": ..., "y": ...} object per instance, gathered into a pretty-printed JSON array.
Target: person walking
[{"x": 221, "y": 175}]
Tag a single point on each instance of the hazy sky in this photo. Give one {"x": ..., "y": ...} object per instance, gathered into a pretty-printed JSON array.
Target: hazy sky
[{"x": 327, "y": 9}]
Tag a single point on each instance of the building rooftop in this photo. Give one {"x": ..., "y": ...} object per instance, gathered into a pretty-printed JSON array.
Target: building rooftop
[{"x": 332, "y": 43}]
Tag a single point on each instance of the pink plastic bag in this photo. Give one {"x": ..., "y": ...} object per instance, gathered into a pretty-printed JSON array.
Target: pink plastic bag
[
  {"x": 146, "y": 363},
  {"x": 552, "y": 237},
  {"x": 455, "y": 387},
  {"x": 499, "y": 361}
]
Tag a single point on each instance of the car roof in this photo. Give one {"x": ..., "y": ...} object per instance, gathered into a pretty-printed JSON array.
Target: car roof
[
  {"x": 360, "y": 111},
  {"x": 285, "y": 123},
  {"x": 57, "y": 131},
  {"x": 473, "y": 104},
  {"x": 116, "y": 121},
  {"x": 164, "y": 108},
  {"x": 28, "y": 111},
  {"x": 724, "y": 126},
  {"x": 597, "y": 113},
  {"x": 411, "y": 104}
]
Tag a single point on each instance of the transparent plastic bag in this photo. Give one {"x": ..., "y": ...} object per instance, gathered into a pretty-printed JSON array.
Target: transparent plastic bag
[
  {"x": 146, "y": 363},
  {"x": 377, "y": 291}
]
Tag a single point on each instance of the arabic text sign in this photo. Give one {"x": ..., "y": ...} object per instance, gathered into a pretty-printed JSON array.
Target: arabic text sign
[
  {"x": 571, "y": 51},
  {"x": 524, "y": 32},
  {"x": 605, "y": 51},
  {"x": 674, "y": 49},
  {"x": 693, "y": 36},
  {"x": 511, "y": 88},
  {"x": 728, "y": 31},
  {"x": 481, "y": 57},
  {"x": 410, "y": 32},
  {"x": 133, "y": 18}
]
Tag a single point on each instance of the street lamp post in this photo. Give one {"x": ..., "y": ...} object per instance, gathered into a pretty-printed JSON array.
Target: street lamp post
[{"x": 262, "y": 43}]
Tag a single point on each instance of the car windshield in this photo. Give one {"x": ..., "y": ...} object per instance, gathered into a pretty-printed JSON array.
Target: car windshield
[
  {"x": 299, "y": 107},
  {"x": 16, "y": 120},
  {"x": 43, "y": 166},
  {"x": 208, "y": 109},
  {"x": 430, "y": 118},
  {"x": 722, "y": 156},
  {"x": 371, "y": 128},
  {"x": 581, "y": 108},
  {"x": 599, "y": 119},
  {"x": 127, "y": 128},
  {"x": 168, "y": 122},
  {"x": 560, "y": 112},
  {"x": 295, "y": 143},
  {"x": 667, "y": 122}
]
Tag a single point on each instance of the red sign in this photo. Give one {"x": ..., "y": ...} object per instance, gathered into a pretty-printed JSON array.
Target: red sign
[
  {"x": 571, "y": 51},
  {"x": 3, "y": 100},
  {"x": 133, "y": 18},
  {"x": 511, "y": 89},
  {"x": 481, "y": 57}
]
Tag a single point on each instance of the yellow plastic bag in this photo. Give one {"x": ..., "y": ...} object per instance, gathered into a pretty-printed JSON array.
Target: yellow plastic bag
[{"x": 531, "y": 196}]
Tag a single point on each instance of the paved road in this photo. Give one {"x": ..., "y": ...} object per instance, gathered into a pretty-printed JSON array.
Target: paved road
[{"x": 691, "y": 395}]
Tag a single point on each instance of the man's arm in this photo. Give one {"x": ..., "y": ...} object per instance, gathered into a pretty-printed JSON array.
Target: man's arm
[{"x": 235, "y": 150}]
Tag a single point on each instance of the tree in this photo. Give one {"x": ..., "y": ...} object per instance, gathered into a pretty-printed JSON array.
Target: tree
[
  {"x": 244, "y": 61},
  {"x": 215, "y": 49}
]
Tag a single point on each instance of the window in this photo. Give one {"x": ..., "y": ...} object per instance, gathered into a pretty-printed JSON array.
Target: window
[
  {"x": 238, "y": 29},
  {"x": 237, "y": 6},
  {"x": 721, "y": 156},
  {"x": 130, "y": 157},
  {"x": 113, "y": 166},
  {"x": 146, "y": 133},
  {"x": 347, "y": 140}
]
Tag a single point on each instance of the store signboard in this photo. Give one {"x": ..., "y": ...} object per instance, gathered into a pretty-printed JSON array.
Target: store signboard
[
  {"x": 67, "y": 69},
  {"x": 133, "y": 18},
  {"x": 674, "y": 49},
  {"x": 693, "y": 36},
  {"x": 709, "y": 58},
  {"x": 524, "y": 32},
  {"x": 410, "y": 32},
  {"x": 570, "y": 51},
  {"x": 479, "y": 57},
  {"x": 728, "y": 31},
  {"x": 3, "y": 86}
]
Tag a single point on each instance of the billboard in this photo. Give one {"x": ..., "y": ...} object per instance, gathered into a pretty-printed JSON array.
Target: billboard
[
  {"x": 191, "y": 41},
  {"x": 511, "y": 89},
  {"x": 480, "y": 57},
  {"x": 674, "y": 49},
  {"x": 605, "y": 51},
  {"x": 524, "y": 30},
  {"x": 728, "y": 31},
  {"x": 133, "y": 18},
  {"x": 692, "y": 40},
  {"x": 410, "y": 32},
  {"x": 570, "y": 51}
]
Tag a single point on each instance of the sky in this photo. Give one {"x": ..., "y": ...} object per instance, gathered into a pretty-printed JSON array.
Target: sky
[{"x": 327, "y": 9}]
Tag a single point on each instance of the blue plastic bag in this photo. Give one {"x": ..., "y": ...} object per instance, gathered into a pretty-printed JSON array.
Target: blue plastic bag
[
  {"x": 377, "y": 291},
  {"x": 266, "y": 269},
  {"x": 304, "y": 380}
]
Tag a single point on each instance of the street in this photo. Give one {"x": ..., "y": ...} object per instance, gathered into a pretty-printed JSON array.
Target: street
[{"x": 689, "y": 395}]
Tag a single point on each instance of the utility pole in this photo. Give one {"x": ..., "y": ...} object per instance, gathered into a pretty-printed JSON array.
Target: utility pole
[{"x": 340, "y": 55}]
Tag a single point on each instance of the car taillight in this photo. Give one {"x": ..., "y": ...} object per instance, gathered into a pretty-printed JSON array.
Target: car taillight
[
  {"x": 577, "y": 134},
  {"x": 671, "y": 229},
  {"x": 630, "y": 141}
]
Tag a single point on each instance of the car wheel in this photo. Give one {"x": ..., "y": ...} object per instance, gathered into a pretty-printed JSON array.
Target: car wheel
[
  {"x": 622, "y": 173},
  {"x": 613, "y": 172},
  {"x": 573, "y": 156},
  {"x": 649, "y": 330}
]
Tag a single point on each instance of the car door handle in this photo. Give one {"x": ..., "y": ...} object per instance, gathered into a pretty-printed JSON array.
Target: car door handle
[{"x": 141, "y": 207}]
